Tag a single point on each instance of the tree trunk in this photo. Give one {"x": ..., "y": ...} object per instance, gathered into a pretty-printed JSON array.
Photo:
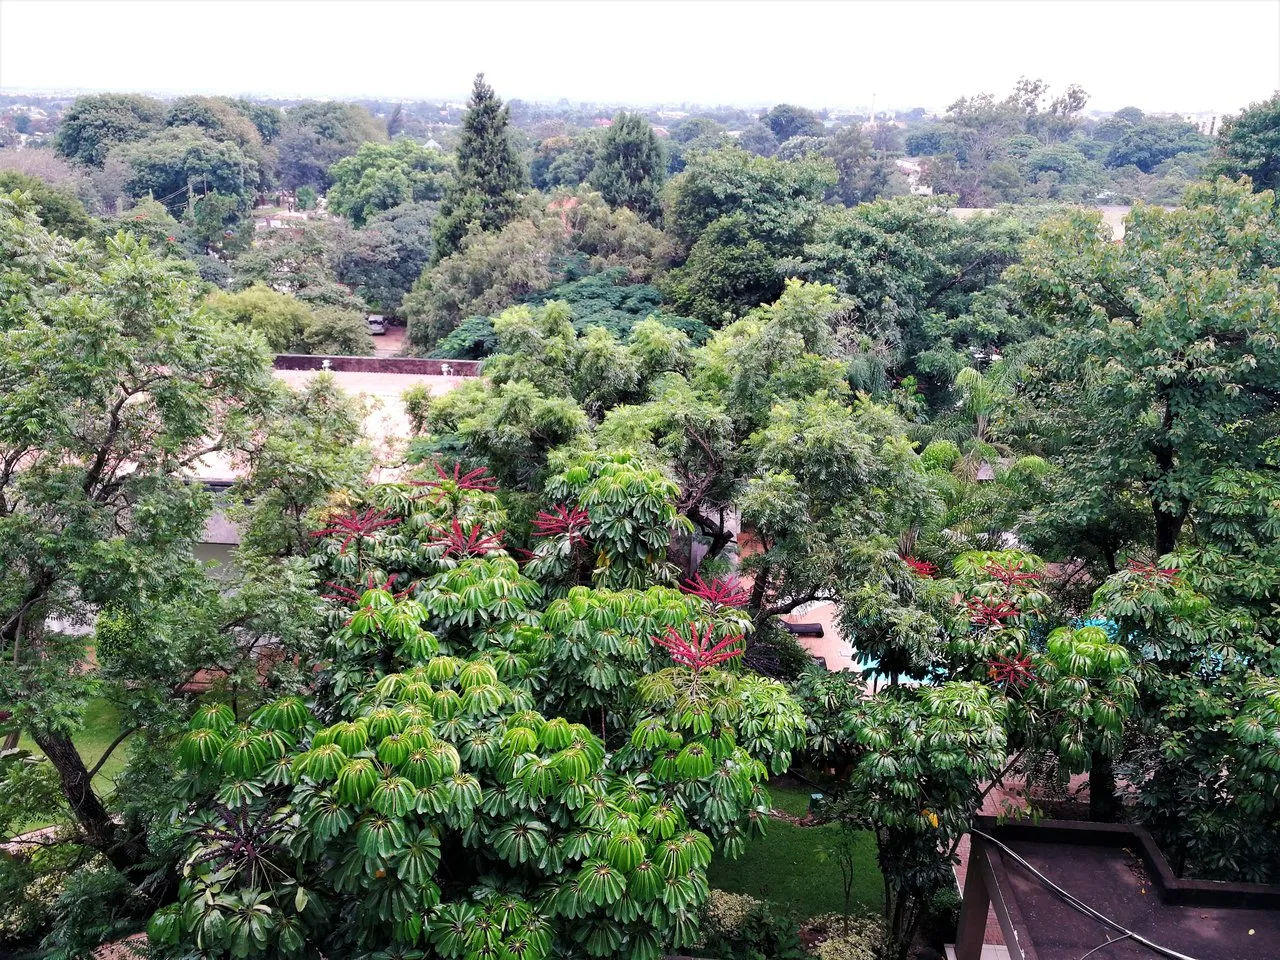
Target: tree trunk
[
  {"x": 100, "y": 831},
  {"x": 1104, "y": 805},
  {"x": 714, "y": 531},
  {"x": 1168, "y": 527},
  {"x": 756, "y": 603}
]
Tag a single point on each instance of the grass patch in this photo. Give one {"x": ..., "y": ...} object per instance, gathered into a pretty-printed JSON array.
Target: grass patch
[
  {"x": 791, "y": 795},
  {"x": 792, "y": 866},
  {"x": 101, "y": 727}
]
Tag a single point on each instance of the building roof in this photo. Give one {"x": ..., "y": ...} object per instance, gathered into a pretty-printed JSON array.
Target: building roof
[
  {"x": 1117, "y": 871},
  {"x": 386, "y": 424}
]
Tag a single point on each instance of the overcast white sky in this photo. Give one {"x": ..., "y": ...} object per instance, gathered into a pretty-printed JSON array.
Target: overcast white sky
[{"x": 1183, "y": 55}]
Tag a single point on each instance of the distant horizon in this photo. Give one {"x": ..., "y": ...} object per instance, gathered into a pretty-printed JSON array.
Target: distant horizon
[
  {"x": 173, "y": 93},
  {"x": 1184, "y": 56}
]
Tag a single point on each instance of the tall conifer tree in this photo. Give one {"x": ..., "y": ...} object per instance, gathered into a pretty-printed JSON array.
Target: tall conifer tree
[
  {"x": 490, "y": 173},
  {"x": 632, "y": 166}
]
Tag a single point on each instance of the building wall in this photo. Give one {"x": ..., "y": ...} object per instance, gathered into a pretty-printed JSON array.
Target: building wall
[{"x": 416, "y": 366}]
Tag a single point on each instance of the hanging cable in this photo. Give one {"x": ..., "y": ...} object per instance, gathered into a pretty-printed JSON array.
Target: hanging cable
[
  {"x": 1075, "y": 903},
  {"x": 1101, "y": 946}
]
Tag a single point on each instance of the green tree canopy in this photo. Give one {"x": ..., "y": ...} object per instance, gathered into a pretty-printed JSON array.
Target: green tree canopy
[
  {"x": 383, "y": 260},
  {"x": 59, "y": 211},
  {"x": 631, "y": 167},
  {"x": 164, "y": 165},
  {"x": 1249, "y": 145},
  {"x": 728, "y": 272},
  {"x": 318, "y": 135},
  {"x": 94, "y": 124},
  {"x": 787, "y": 121},
  {"x": 115, "y": 386},
  {"x": 380, "y": 176},
  {"x": 299, "y": 263},
  {"x": 288, "y": 325},
  {"x": 490, "y": 174},
  {"x": 780, "y": 200},
  {"x": 1171, "y": 333},
  {"x": 1150, "y": 142},
  {"x": 530, "y": 254}
]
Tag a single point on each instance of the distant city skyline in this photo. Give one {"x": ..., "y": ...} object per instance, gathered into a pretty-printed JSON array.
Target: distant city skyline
[{"x": 1184, "y": 56}]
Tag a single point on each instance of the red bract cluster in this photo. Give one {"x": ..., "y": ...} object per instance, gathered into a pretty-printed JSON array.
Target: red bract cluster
[
  {"x": 1011, "y": 671},
  {"x": 477, "y": 479},
  {"x": 1150, "y": 570},
  {"x": 1009, "y": 574},
  {"x": 921, "y": 568},
  {"x": 726, "y": 591},
  {"x": 354, "y": 525},
  {"x": 698, "y": 652},
  {"x": 468, "y": 543},
  {"x": 352, "y": 596},
  {"x": 987, "y": 612},
  {"x": 564, "y": 521}
]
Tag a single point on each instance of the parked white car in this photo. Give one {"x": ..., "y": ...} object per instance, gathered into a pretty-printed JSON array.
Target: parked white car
[{"x": 377, "y": 324}]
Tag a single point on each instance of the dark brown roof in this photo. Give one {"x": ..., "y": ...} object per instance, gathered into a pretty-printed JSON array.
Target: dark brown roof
[{"x": 1116, "y": 870}]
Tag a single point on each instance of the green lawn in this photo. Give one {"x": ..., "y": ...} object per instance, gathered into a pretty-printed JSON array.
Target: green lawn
[
  {"x": 791, "y": 866},
  {"x": 101, "y": 727}
]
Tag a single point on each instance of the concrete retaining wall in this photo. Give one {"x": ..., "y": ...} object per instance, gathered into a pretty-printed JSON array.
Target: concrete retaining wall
[{"x": 421, "y": 366}]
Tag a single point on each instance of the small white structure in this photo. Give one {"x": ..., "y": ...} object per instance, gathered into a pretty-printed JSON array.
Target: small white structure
[{"x": 912, "y": 168}]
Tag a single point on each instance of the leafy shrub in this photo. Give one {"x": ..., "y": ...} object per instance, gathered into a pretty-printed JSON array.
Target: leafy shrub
[
  {"x": 604, "y": 300},
  {"x": 775, "y": 652},
  {"x": 940, "y": 455},
  {"x": 848, "y": 938},
  {"x": 290, "y": 325},
  {"x": 433, "y": 790},
  {"x": 417, "y": 406},
  {"x": 96, "y": 905},
  {"x": 27, "y": 899},
  {"x": 726, "y": 912},
  {"x": 76, "y": 906},
  {"x": 472, "y": 339},
  {"x": 743, "y": 928},
  {"x": 601, "y": 300},
  {"x": 117, "y": 633},
  {"x": 337, "y": 331},
  {"x": 942, "y": 914}
]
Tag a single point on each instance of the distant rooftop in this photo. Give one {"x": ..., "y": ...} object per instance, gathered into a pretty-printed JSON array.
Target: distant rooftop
[{"x": 379, "y": 381}]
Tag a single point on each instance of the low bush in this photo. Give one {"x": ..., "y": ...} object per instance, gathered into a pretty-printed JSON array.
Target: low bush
[{"x": 837, "y": 937}]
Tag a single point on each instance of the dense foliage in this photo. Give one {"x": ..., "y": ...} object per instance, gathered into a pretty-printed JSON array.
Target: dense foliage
[
  {"x": 514, "y": 692},
  {"x": 439, "y": 784}
]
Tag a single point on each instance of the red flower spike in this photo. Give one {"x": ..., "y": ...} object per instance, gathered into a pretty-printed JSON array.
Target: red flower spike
[
  {"x": 472, "y": 543},
  {"x": 921, "y": 568},
  {"x": 352, "y": 596},
  {"x": 1009, "y": 574},
  {"x": 1150, "y": 571},
  {"x": 357, "y": 525},
  {"x": 725, "y": 592},
  {"x": 698, "y": 652},
  {"x": 477, "y": 479},
  {"x": 989, "y": 613},
  {"x": 565, "y": 521},
  {"x": 1014, "y": 672}
]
